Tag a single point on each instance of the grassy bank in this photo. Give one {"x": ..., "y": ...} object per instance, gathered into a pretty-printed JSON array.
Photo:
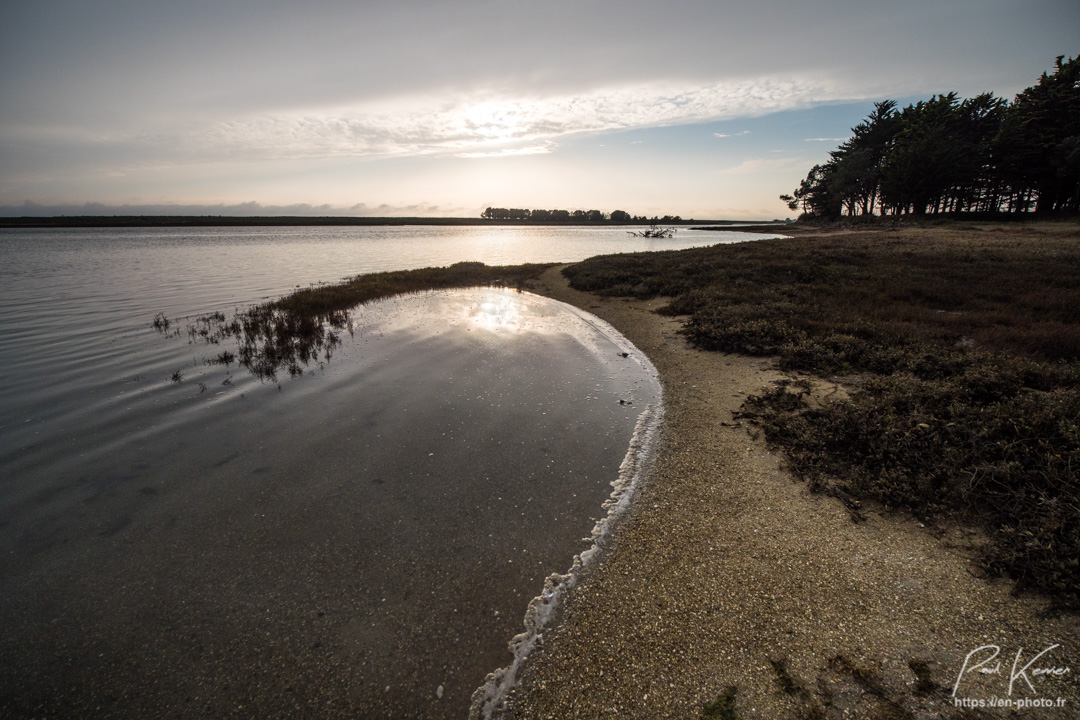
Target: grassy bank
[
  {"x": 959, "y": 346},
  {"x": 305, "y": 326}
]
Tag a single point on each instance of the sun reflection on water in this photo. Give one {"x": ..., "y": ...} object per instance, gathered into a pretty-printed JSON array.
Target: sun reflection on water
[{"x": 498, "y": 313}]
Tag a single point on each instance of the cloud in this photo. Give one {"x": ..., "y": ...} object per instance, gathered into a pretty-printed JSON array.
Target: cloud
[
  {"x": 759, "y": 166},
  {"x": 510, "y": 152},
  {"x": 474, "y": 125},
  {"x": 522, "y": 125},
  {"x": 133, "y": 63},
  {"x": 727, "y": 135},
  {"x": 825, "y": 139},
  {"x": 31, "y": 209}
]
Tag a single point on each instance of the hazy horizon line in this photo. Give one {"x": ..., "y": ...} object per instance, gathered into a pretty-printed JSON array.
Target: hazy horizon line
[{"x": 255, "y": 209}]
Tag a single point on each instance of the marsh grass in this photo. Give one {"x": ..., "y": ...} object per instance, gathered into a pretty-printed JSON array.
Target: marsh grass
[
  {"x": 306, "y": 326},
  {"x": 225, "y": 358},
  {"x": 961, "y": 350},
  {"x": 161, "y": 323}
]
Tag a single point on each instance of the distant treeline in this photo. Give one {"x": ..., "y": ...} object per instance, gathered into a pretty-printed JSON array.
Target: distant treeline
[
  {"x": 576, "y": 216},
  {"x": 945, "y": 155}
]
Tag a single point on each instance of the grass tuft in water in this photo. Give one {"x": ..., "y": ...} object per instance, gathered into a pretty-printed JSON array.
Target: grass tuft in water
[{"x": 306, "y": 326}]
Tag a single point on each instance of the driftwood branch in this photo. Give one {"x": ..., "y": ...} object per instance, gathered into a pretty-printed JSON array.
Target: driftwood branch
[{"x": 654, "y": 232}]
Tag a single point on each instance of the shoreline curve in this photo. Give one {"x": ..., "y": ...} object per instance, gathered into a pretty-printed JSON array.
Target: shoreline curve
[
  {"x": 729, "y": 585},
  {"x": 543, "y": 609}
]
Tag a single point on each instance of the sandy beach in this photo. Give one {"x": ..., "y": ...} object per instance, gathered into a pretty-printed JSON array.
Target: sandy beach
[{"x": 733, "y": 591}]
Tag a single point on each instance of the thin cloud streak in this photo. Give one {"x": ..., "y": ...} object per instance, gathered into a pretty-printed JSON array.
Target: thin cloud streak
[
  {"x": 465, "y": 124},
  {"x": 467, "y": 127},
  {"x": 510, "y": 152},
  {"x": 245, "y": 209},
  {"x": 760, "y": 165}
]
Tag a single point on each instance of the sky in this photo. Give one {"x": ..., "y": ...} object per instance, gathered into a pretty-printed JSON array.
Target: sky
[{"x": 698, "y": 108}]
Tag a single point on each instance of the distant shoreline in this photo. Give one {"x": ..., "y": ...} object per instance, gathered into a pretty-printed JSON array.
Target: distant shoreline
[{"x": 146, "y": 221}]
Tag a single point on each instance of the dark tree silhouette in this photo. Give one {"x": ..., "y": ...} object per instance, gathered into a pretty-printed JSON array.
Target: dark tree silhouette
[
  {"x": 946, "y": 155},
  {"x": 1043, "y": 129}
]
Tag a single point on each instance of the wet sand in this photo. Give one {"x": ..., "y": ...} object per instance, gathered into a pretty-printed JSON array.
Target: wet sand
[{"x": 728, "y": 573}]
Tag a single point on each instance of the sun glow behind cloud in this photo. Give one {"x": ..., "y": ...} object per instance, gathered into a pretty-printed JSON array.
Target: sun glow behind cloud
[{"x": 488, "y": 126}]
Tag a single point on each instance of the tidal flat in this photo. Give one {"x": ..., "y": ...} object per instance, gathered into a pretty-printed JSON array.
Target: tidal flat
[
  {"x": 177, "y": 531},
  {"x": 361, "y": 539}
]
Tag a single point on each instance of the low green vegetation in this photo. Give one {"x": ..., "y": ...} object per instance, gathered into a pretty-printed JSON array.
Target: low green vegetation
[
  {"x": 305, "y": 326},
  {"x": 959, "y": 346}
]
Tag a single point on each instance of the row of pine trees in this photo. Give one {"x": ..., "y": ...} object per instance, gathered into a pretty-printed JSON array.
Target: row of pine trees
[{"x": 946, "y": 155}]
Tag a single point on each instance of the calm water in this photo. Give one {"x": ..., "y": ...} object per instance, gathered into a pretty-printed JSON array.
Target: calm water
[{"x": 363, "y": 538}]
